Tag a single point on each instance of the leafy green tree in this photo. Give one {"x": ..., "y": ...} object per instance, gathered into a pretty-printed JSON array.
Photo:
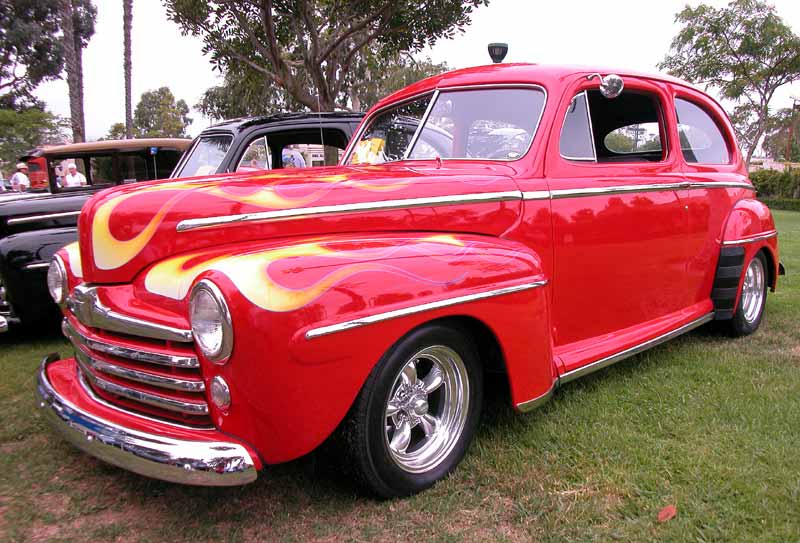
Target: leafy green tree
[
  {"x": 309, "y": 47},
  {"x": 247, "y": 93},
  {"x": 30, "y": 51},
  {"x": 26, "y": 129},
  {"x": 743, "y": 50},
  {"x": 117, "y": 131},
  {"x": 782, "y": 140},
  {"x": 159, "y": 115}
]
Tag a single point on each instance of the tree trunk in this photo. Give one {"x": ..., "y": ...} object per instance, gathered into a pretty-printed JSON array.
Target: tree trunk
[
  {"x": 763, "y": 114},
  {"x": 127, "y": 18},
  {"x": 72, "y": 60}
]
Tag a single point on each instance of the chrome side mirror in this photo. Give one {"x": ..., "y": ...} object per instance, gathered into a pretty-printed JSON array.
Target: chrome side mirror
[{"x": 610, "y": 86}]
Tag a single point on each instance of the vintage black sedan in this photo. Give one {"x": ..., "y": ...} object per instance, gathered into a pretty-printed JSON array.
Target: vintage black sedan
[{"x": 33, "y": 228}]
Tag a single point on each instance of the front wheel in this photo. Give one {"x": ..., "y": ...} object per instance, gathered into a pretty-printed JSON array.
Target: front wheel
[
  {"x": 416, "y": 414},
  {"x": 752, "y": 298}
]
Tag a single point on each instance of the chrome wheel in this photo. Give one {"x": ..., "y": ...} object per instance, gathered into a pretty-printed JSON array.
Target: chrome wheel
[
  {"x": 753, "y": 290},
  {"x": 426, "y": 409}
]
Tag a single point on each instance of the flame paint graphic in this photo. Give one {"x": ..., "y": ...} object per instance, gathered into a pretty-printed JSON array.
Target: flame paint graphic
[
  {"x": 172, "y": 278},
  {"x": 74, "y": 259},
  {"x": 111, "y": 253}
]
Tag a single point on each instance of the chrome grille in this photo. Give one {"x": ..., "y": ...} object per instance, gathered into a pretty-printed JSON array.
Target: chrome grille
[{"x": 135, "y": 375}]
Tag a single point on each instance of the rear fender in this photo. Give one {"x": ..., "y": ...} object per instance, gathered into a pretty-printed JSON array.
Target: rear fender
[
  {"x": 749, "y": 228},
  {"x": 312, "y": 319}
]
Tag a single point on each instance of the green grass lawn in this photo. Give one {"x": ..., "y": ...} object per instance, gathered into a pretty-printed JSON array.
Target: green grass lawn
[{"x": 705, "y": 423}]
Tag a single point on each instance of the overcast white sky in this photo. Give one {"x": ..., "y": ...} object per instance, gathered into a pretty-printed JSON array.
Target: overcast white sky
[{"x": 626, "y": 33}]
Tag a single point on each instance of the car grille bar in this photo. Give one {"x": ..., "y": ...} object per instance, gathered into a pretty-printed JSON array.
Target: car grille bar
[{"x": 147, "y": 378}]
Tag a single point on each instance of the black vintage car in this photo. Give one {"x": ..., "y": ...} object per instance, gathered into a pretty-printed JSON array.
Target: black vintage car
[
  {"x": 32, "y": 229},
  {"x": 33, "y": 226}
]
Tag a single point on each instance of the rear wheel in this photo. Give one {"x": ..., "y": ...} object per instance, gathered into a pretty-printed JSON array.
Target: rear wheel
[
  {"x": 417, "y": 413},
  {"x": 752, "y": 298}
]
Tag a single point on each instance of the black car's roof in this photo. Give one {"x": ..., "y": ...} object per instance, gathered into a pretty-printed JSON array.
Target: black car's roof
[{"x": 290, "y": 118}]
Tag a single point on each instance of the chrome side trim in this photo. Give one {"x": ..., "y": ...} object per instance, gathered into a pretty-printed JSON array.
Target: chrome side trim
[
  {"x": 138, "y": 355},
  {"x": 172, "y": 383},
  {"x": 210, "y": 463},
  {"x": 84, "y": 303},
  {"x": 37, "y": 265},
  {"x": 766, "y": 235},
  {"x": 34, "y": 218},
  {"x": 619, "y": 189},
  {"x": 3, "y": 324},
  {"x": 721, "y": 185},
  {"x": 536, "y": 195},
  {"x": 155, "y": 400},
  {"x": 535, "y": 403},
  {"x": 379, "y": 317},
  {"x": 385, "y": 205},
  {"x": 636, "y": 349}
]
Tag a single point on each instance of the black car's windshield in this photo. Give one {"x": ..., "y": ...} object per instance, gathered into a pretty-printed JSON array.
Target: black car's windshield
[
  {"x": 205, "y": 156},
  {"x": 491, "y": 124}
]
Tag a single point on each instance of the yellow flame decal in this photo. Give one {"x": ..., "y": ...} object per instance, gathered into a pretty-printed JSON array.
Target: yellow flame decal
[
  {"x": 172, "y": 278},
  {"x": 74, "y": 258},
  {"x": 111, "y": 253}
]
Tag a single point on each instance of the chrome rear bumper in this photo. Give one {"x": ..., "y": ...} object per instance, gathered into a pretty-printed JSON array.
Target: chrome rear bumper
[{"x": 207, "y": 463}]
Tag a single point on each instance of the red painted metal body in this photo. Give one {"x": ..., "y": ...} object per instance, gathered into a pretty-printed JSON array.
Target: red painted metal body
[{"x": 620, "y": 268}]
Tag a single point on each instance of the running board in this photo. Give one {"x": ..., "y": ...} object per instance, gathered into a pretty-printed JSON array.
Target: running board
[{"x": 622, "y": 355}]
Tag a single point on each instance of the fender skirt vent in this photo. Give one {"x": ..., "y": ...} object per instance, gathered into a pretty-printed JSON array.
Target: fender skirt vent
[{"x": 726, "y": 282}]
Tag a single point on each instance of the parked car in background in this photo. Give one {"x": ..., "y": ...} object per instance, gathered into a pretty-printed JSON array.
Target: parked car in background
[
  {"x": 37, "y": 170},
  {"x": 238, "y": 145},
  {"x": 566, "y": 221},
  {"x": 263, "y": 143},
  {"x": 33, "y": 226}
]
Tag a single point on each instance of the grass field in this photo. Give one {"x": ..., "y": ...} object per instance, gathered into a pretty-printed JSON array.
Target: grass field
[{"x": 704, "y": 423}]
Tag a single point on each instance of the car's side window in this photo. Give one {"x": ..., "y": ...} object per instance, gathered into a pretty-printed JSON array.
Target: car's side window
[
  {"x": 702, "y": 141},
  {"x": 256, "y": 157},
  {"x": 576, "y": 141},
  {"x": 627, "y": 128}
]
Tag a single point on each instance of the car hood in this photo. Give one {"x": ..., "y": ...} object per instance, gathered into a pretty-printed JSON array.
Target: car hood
[{"x": 123, "y": 230}]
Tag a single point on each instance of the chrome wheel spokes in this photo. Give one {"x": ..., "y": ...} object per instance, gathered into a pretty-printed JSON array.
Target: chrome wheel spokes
[
  {"x": 427, "y": 408},
  {"x": 753, "y": 290}
]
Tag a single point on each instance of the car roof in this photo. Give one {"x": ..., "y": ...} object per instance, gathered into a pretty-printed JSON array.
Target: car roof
[
  {"x": 111, "y": 145},
  {"x": 243, "y": 123},
  {"x": 546, "y": 75}
]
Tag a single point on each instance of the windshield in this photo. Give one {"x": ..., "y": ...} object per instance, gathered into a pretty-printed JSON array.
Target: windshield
[
  {"x": 492, "y": 124},
  {"x": 205, "y": 156}
]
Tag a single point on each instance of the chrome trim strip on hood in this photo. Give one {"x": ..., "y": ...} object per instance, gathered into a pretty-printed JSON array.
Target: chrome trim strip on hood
[
  {"x": 84, "y": 303},
  {"x": 378, "y": 317},
  {"x": 381, "y": 205},
  {"x": 34, "y": 218}
]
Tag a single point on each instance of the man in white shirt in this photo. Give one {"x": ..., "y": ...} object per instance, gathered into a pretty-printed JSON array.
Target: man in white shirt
[
  {"x": 74, "y": 178},
  {"x": 19, "y": 181}
]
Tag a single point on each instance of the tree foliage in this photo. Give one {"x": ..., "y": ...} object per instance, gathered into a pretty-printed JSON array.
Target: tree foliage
[
  {"x": 25, "y": 130},
  {"x": 157, "y": 115},
  {"x": 310, "y": 47},
  {"x": 246, "y": 92},
  {"x": 782, "y": 140},
  {"x": 31, "y": 44},
  {"x": 744, "y": 50}
]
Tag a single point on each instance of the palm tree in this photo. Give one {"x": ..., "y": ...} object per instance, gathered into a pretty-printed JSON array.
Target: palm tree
[
  {"x": 127, "y": 18},
  {"x": 73, "y": 62}
]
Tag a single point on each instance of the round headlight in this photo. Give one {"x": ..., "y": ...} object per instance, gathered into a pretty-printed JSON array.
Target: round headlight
[
  {"x": 57, "y": 280},
  {"x": 211, "y": 322}
]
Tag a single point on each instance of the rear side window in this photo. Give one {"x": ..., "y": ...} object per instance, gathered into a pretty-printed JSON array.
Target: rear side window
[{"x": 702, "y": 141}]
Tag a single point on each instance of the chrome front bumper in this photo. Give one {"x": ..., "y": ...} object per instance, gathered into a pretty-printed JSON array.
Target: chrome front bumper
[{"x": 207, "y": 463}]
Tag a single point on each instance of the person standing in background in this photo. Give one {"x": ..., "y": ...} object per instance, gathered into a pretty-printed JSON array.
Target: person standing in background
[
  {"x": 20, "y": 181},
  {"x": 74, "y": 178}
]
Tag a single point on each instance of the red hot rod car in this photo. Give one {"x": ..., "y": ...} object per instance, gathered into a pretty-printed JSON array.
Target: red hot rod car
[{"x": 541, "y": 221}]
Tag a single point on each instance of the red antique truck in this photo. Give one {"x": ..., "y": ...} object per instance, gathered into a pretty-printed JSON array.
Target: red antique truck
[{"x": 541, "y": 221}]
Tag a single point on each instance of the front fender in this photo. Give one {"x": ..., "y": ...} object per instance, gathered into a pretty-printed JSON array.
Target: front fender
[
  {"x": 291, "y": 387},
  {"x": 23, "y": 260}
]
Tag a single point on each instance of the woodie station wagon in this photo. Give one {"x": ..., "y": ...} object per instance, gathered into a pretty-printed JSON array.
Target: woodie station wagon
[{"x": 540, "y": 221}]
